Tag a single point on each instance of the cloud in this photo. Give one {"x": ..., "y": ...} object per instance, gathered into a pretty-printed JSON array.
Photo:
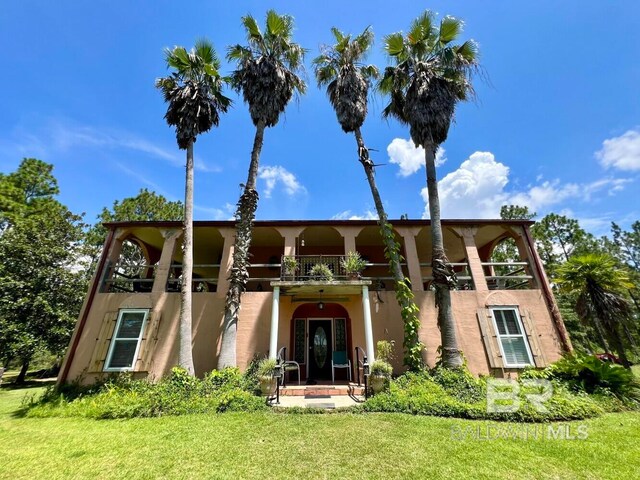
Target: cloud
[
  {"x": 477, "y": 189},
  {"x": 62, "y": 135},
  {"x": 225, "y": 213},
  {"x": 622, "y": 153},
  {"x": 273, "y": 175},
  {"x": 409, "y": 157},
  {"x": 349, "y": 215}
]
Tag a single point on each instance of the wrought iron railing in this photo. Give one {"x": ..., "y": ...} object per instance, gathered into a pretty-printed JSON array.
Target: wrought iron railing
[
  {"x": 508, "y": 275},
  {"x": 316, "y": 267}
]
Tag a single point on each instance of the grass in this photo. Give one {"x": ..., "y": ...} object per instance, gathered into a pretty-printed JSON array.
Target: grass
[{"x": 268, "y": 445}]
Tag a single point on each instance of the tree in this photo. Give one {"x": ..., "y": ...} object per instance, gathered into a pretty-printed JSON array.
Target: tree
[
  {"x": 347, "y": 80},
  {"x": 194, "y": 94},
  {"x": 558, "y": 238},
  {"x": 430, "y": 76},
  {"x": 41, "y": 280},
  {"x": 26, "y": 191},
  {"x": 506, "y": 250},
  {"x": 598, "y": 283},
  {"x": 516, "y": 212},
  {"x": 267, "y": 75}
]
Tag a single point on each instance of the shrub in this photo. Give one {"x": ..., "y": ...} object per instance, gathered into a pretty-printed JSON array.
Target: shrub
[
  {"x": 320, "y": 271},
  {"x": 459, "y": 383},
  {"x": 266, "y": 367},
  {"x": 587, "y": 373}
]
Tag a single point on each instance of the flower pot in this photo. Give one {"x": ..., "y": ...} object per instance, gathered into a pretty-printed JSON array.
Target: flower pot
[
  {"x": 377, "y": 383},
  {"x": 267, "y": 385}
]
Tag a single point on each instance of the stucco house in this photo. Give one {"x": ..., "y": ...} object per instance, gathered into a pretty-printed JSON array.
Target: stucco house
[{"x": 506, "y": 317}]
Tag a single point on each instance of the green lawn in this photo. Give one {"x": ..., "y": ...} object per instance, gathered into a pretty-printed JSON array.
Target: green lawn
[{"x": 268, "y": 445}]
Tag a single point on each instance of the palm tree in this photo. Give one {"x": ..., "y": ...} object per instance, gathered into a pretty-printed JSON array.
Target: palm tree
[
  {"x": 194, "y": 94},
  {"x": 430, "y": 76},
  {"x": 267, "y": 74},
  {"x": 598, "y": 282},
  {"x": 347, "y": 80}
]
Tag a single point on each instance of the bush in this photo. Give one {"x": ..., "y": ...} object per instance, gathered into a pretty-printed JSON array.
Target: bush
[
  {"x": 456, "y": 393},
  {"x": 178, "y": 394},
  {"x": 320, "y": 271},
  {"x": 587, "y": 373}
]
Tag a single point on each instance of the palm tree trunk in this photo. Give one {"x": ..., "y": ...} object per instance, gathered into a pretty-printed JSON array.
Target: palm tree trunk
[
  {"x": 185, "y": 353},
  {"x": 443, "y": 275},
  {"x": 407, "y": 305},
  {"x": 239, "y": 276}
]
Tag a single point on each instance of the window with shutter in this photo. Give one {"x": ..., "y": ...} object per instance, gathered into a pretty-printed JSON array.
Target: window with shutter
[
  {"x": 123, "y": 351},
  {"x": 511, "y": 337}
]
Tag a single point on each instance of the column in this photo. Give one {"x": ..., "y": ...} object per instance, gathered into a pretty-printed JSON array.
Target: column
[
  {"x": 368, "y": 330},
  {"x": 166, "y": 258},
  {"x": 471, "y": 252},
  {"x": 275, "y": 320},
  {"x": 227, "y": 260},
  {"x": 412, "y": 259},
  {"x": 526, "y": 256}
]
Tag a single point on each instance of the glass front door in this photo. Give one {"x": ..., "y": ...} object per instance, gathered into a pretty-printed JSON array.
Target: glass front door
[{"x": 320, "y": 349}]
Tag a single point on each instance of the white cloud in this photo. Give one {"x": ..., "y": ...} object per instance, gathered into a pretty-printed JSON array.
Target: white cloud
[
  {"x": 622, "y": 153},
  {"x": 477, "y": 189},
  {"x": 349, "y": 215},
  {"x": 278, "y": 174},
  {"x": 409, "y": 157},
  {"x": 225, "y": 213},
  {"x": 62, "y": 135}
]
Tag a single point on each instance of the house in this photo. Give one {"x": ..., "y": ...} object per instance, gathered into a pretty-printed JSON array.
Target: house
[{"x": 506, "y": 316}]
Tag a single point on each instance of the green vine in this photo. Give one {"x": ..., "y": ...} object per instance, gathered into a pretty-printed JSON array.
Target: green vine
[{"x": 409, "y": 311}]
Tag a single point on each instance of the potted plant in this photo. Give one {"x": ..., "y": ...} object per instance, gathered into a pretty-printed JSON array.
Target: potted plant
[
  {"x": 320, "y": 271},
  {"x": 380, "y": 374},
  {"x": 265, "y": 371},
  {"x": 289, "y": 267},
  {"x": 353, "y": 264}
]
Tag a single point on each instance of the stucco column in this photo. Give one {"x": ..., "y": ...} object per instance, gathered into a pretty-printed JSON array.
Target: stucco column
[
  {"x": 349, "y": 234},
  {"x": 526, "y": 256},
  {"x": 166, "y": 258},
  {"x": 275, "y": 320},
  {"x": 411, "y": 257},
  {"x": 227, "y": 258},
  {"x": 368, "y": 330},
  {"x": 471, "y": 251}
]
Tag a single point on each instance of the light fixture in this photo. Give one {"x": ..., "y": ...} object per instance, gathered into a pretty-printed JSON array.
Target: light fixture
[{"x": 320, "y": 305}]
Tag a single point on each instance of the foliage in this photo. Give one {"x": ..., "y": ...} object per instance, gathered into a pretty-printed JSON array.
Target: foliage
[
  {"x": 320, "y": 271},
  {"x": 353, "y": 263},
  {"x": 266, "y": 367},
  {"x": 381, "y": 368},
  {"x": 289, "y": 264},
  {"x": 413, "y": 347},
  {"x": 347, "y": 79},
  {"x": 41, "y": 268},
  {"x": 589, "y": 374},
  {"x": 384, "y": 350},
  {"x": 268, "y": 68},
  {"x": 178, "y": 394},
  {"x": 452, "y": 393},
  {"x": 597, "y": 281},
  {"x": 516, "y": 212},
  {"x": 193, "y": 91}
]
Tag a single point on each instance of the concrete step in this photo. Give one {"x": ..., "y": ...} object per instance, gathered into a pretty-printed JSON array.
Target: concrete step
[{"x": 320, "y": 391}]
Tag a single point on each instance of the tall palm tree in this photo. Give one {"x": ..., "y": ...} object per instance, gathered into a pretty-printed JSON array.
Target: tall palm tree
[
  {"x": 267, "y": 74},
  {"x": 341, "y": 69},
  {"x": 430, "y": 76},
  {"x": 598, "y": 282},
  {"x": 194, "y": 94}
]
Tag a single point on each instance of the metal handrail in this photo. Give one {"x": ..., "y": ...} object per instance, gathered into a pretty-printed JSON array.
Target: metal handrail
[{"x": 358, "y": 362}]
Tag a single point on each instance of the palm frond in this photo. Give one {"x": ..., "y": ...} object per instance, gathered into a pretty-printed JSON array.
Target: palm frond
[{"x": 450, "y": 29}]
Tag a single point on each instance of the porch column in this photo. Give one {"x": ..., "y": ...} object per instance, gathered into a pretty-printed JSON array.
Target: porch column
[
  {"x": 368, "y": 331},
  {"x": 275, "y": 320},
  {"x": 526, "y": 256},
  {"x": 471, "y": 252},
  {"x": 166, "y": 258}
]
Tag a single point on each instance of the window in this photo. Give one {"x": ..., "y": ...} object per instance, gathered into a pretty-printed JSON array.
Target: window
[
  {"x": 511, "y": 337},
  {"x": 299, "y": 340},
  {"x": 341, "y": 335},
  {"x": 125, "y": 342}
]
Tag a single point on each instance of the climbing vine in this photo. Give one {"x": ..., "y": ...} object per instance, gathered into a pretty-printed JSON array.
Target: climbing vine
[{"x": 411, "y": 343}]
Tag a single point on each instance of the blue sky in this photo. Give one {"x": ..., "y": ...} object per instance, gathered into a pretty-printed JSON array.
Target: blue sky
[{"x": 556, "y": 123}]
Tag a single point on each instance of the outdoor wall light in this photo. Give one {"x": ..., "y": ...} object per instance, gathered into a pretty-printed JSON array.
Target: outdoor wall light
[{"x": 321, "y": 305}]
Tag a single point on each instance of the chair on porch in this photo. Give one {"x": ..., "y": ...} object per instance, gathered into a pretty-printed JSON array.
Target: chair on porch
[
  {"x": 289, "y": 365},
  {"x": 340, "y": 360}
]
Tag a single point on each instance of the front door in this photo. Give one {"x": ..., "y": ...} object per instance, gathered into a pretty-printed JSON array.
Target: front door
[{"x": 320, "y": 349}]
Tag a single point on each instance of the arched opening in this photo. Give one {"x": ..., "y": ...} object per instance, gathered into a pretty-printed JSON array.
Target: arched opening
[
  {"x": 371, "y": 246},
  {"x": 318, "y": 331},
  {"x": 454, "y": 249},
  {"x": 267, "y": 246}
]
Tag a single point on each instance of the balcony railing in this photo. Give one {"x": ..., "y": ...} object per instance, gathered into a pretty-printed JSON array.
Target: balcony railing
[
  {"x": 508, "y": 275},
  {"x": 127, "y": 278}
]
